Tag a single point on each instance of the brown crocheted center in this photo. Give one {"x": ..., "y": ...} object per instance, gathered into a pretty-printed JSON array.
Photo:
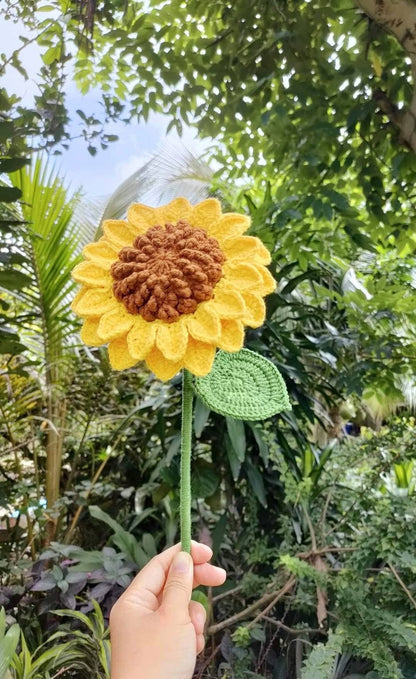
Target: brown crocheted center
[{"x": 167, "y": 272}]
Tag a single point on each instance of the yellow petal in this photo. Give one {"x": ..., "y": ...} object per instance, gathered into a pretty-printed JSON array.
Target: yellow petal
[
  {"x": 94, "y": 302},
  {"x": 206, "y": 214},
  {"x": 119, "y": 355},
  {"x": 115, "y": 323},
  {"x": 173, "y": 212},
  {"x": 263, "y": 255},
  {"x": 230, "y": 225},
  {"x": 141, "y": 338},
  {"x": 242, "y": 276},
  {"x": 269, "y": 284},
  {"x": 77, "y": 299},
  {"x": 172, "y": 339},
  {"x": 119, "y": 232},
  {"x": 89, "y": 333},
  {"x": 102, "y": 253},
  {"x": 255, "y": 310},
  {"x": 246, "y": 248},
  {"x": 141, "y": 217},
  {"x": 227, "y": 302},
  {"x": 160, "y": 366},
  {"x": 92, "y": 275},
  {"x": 199, "y": 357},
  {"x": 204, "y": 324},
  {"x": 232, "y": 335}
]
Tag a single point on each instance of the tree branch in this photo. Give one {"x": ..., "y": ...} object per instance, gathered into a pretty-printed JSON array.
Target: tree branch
[
  {"x": 265, "y": 599},
  {"x": 287, "y": 587},
  {"x": 401, "y": 583},
  {"x": 293, "y": 630}
]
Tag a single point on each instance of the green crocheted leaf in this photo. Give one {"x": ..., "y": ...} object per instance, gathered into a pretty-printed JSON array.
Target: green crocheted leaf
[{"x": 244, "y": 386}]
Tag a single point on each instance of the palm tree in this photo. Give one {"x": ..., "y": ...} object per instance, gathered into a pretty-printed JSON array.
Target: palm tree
[{"x": 52, "y": 244}]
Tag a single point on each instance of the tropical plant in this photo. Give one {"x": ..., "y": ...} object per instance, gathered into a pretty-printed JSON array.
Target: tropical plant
[
  {"x": 52, "y": 242},
  {"x": 91, "y": 645},
  {"x": 8, "y": 643},
  {"x": 83, "y": 651}
]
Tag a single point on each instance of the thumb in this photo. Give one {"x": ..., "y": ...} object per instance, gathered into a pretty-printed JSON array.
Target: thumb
[{"x": 178, "y": 588}]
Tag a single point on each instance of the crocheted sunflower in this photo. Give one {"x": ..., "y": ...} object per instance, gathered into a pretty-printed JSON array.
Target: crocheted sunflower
[{"x": 171, "y": 284}]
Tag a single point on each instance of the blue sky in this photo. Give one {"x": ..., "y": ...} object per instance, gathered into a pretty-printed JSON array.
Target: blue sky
[{"x": 101, "y": 174}]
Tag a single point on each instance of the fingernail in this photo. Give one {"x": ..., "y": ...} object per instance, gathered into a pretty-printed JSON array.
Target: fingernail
[{"x": 181, "y": 562}]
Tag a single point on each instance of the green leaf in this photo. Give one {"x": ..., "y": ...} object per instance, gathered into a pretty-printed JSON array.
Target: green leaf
[
  {"x": 11, "y": 279},
  {"x": 218, "y": 533},
  {"x": 359, "y": 238},
  {"x": 205, "y": 480},
  {"x": 262, "y": 445},
  {"x": 77, "y": 615},
  {"x": 322, "y": 660},
  {"x": 12, "y": 258},
  {"x": 237, "y": 436},
  {"x": 243, "y": 386},
  {"x": 126, "y": 542},
  {"x": 149, "y": 544},
  {"x": 202, "y": 598},
  {"x": 12, "y": 164},
  {"x": 8, "y": 645},
  {"x": 52, "y": 54},
  {"x": 294, "y": 282},
  {"x": 256, "y": 482},
  {"x": 201, "y": 415},
  {"x": 8, "y": 345},
  {"x": 235, "y": 463},
  {"x": 9, "y": 194},
  {"x": 7, "y": 130}
]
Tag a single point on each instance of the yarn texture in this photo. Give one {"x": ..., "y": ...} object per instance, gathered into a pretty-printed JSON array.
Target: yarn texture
[
  {"x": 167, "y": 272},
  {"x": 170, "y": 285},
  {"x": 244, "y": 386},
  {"x": 186, "y": 454}
]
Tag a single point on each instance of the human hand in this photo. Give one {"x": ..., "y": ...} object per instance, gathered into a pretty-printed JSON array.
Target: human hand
[{"x": 156, "y": 630}]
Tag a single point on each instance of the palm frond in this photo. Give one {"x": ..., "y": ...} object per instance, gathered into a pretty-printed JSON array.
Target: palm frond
[
  {"x": 176, "y": 171},
  {"x": 171, "y": 172},
  {"x": 53, "y": 244},
  {"x": 131, "y": 190}
]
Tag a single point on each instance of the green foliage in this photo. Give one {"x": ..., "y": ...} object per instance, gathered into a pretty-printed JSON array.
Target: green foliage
[
  {"x": 8, "y": 643},
  {"x": 67, "y": 650},
  {"x": 72, "y": 572},
  {"x": 125, "y": 541},
  {"x": 54, "y": 240},
  {"x": 323, "y": 659},
  {"x": 11, "y": 228},
  {"x": 90, "y": 647}
]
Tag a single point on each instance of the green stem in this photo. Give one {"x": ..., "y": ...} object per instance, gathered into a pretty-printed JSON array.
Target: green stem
[{"x": 186, "y": 443}]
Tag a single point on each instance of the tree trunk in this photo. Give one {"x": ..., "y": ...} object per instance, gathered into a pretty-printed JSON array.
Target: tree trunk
[
  {"x": 54, "y": 444},
  {"x": 399, "y": 18}
]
